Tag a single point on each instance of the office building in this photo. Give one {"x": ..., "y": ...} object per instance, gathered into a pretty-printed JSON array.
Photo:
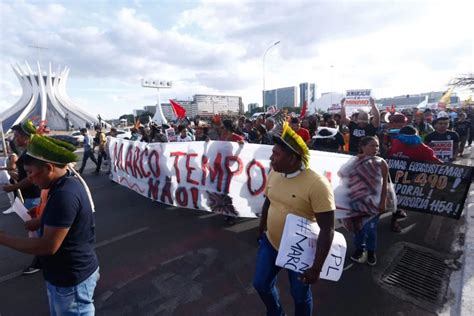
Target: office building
[
  {"x": 307, "y": 93},
  {"x": 252, "y": 107},
  {"x": 150, "y": 108},
  {"x": 208, "y": 105},
  {"x": 412, "y": 100},
  {"x": 281, "y": 97}
]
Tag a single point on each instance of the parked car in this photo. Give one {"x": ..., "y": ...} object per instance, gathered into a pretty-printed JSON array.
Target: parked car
[
  {"x": 78, "y": 136},
  {"x": 67, "y": 138}
]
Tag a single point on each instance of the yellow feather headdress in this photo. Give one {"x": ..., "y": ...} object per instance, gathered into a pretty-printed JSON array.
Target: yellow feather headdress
[{"x": 295, "y": 143}]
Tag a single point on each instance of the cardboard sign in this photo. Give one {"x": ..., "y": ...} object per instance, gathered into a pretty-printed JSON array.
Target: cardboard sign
[
  {"x": 443, "y": 149},
  {"x": 437, "y": 189},
  {"x": 171, "y": 134},
  {"x": 298, "y": 248},
  {"x": 357, "y": 100}
]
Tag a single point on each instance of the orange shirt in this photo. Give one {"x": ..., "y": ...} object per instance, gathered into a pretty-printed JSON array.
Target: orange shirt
[{"x": 40, "y": 208}]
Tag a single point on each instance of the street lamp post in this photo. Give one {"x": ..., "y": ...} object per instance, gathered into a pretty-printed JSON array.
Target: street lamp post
[{"x": 265, "y": 54}]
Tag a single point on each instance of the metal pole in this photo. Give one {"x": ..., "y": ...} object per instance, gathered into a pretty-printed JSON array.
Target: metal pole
[{"x": 263, "y": 66}]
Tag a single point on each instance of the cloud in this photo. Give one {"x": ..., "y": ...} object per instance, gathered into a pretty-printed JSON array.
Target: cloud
[{"x": 217, "y": 47}]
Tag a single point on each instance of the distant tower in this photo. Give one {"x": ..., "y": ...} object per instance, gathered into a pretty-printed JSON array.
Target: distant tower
[{"x": 44, "y": 98}]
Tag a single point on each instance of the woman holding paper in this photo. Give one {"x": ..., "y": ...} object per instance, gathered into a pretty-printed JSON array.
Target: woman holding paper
[{"x": 365, "y": 184}]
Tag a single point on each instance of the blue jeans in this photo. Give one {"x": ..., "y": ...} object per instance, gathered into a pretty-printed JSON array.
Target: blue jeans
[
  {"x": 73, "y": 300},
  {"x": 366, "y": 238},
  {"x": 265, "y": 279},
  {"x": 32, "y": 202}
]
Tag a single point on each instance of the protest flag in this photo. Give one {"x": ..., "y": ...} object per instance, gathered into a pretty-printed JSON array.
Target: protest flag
[
  {"x": 178, "y": 110},
  {"x": 303, "y": 110}
]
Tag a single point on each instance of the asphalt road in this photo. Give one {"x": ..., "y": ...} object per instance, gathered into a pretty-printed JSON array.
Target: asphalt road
[{"x": 161, "y": 260}]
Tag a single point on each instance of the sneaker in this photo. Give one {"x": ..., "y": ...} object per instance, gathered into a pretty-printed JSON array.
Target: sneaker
[
  {"x": 358, "y": 256},
  {"x": 371, "y": 258},
  {"x": 30, "y": 270},
  {"x": 395, "y": 226},
  {"x": 400, "y": 214}
]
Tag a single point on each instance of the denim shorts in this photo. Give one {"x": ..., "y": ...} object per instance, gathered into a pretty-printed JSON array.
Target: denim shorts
[{"x": 73, "y": 300}]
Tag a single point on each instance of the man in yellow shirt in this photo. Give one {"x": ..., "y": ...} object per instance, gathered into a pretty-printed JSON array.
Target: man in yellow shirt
[
  {"x": 292, "y": 188},
  {"x": 101, "y": 141}
]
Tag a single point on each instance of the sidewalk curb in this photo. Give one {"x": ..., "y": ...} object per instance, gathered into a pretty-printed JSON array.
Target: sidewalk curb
[{"x": 467, "y": 282}]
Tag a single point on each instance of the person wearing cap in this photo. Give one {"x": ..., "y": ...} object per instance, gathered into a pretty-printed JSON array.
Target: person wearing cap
[
  {"x": 361, "y": 127},
  {"x": 302, "y": 132},
  {"x": 65, "y": 245},
  {"x": 444, "y": 142},
  {"x": 292, "y": 188},
  {"x": 29, "y": 191}
]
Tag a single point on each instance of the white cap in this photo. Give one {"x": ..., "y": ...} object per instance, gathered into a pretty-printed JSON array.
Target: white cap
[{"x": 442, "y": 114}]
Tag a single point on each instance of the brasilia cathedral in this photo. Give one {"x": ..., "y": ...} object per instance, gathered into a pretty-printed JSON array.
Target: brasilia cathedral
[{"x": 45, "y": 99}]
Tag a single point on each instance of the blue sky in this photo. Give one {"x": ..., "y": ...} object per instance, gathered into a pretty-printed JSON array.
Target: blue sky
[{"x": 392, "y": 47}]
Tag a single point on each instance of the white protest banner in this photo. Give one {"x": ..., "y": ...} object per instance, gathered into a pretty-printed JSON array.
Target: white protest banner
[
  {"x": 222, "y": 177},
  {"x": 443, "y": 149},
  {"x": 298, "y": 248},
  {"x": 357, "y": 100}
]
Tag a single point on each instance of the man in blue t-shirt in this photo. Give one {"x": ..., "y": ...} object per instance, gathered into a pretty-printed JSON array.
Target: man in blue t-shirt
[{"x": 65, "y": 245}]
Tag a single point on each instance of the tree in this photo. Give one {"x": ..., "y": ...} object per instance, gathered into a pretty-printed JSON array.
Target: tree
[
  {"x": 129, "y": 117},
  {"x": 463, "y": 81},
  {"x": 145, "y": 117}
]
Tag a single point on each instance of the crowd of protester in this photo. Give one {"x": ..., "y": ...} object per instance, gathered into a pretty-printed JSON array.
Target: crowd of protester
[{"x": 370, "y": 137}]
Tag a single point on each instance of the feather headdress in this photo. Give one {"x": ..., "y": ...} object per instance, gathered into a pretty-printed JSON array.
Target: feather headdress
[{"x": 294, "y": 141}]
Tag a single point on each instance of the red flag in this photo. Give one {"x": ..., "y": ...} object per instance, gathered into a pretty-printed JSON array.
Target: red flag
[
  {"x": 303, "y": 110},
  {"x": 178, "y": 110}
]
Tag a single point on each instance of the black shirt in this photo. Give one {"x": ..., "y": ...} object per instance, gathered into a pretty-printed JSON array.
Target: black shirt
[
  {"x": 69, "y": 207},
  {"x": 32, "y": 191},
  {"x": 331, "y": 144},
  {"x": 443, "y": 150},
  {"x": 357, "y": 133},
  {"x": 462, "y": 128}
]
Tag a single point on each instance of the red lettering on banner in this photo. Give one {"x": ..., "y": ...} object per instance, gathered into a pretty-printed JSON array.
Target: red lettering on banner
[
  {"x": 190, "y": 169},
  {"x": 176, "y": 155},
  {"x": 128, "y": 161},
  {"x": 115, "y": 157},
  {"x": 148, "y": 173},
  {"x": 216, "y": 172},
  {"x": 230, "y": 174},
  {"x": 166, "y": 193},
  {"x": 194, "y": 196},
  {"x": 119, "y": 158},
  {"x": 136, "y": 168},
  {"x": 356, "y": 102},
  {"x": 156, "y": 170},
  {"x": 182, "y": 196},
  {"x": 249, "y": 181},
  {"x": 153, "y": 188}
]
